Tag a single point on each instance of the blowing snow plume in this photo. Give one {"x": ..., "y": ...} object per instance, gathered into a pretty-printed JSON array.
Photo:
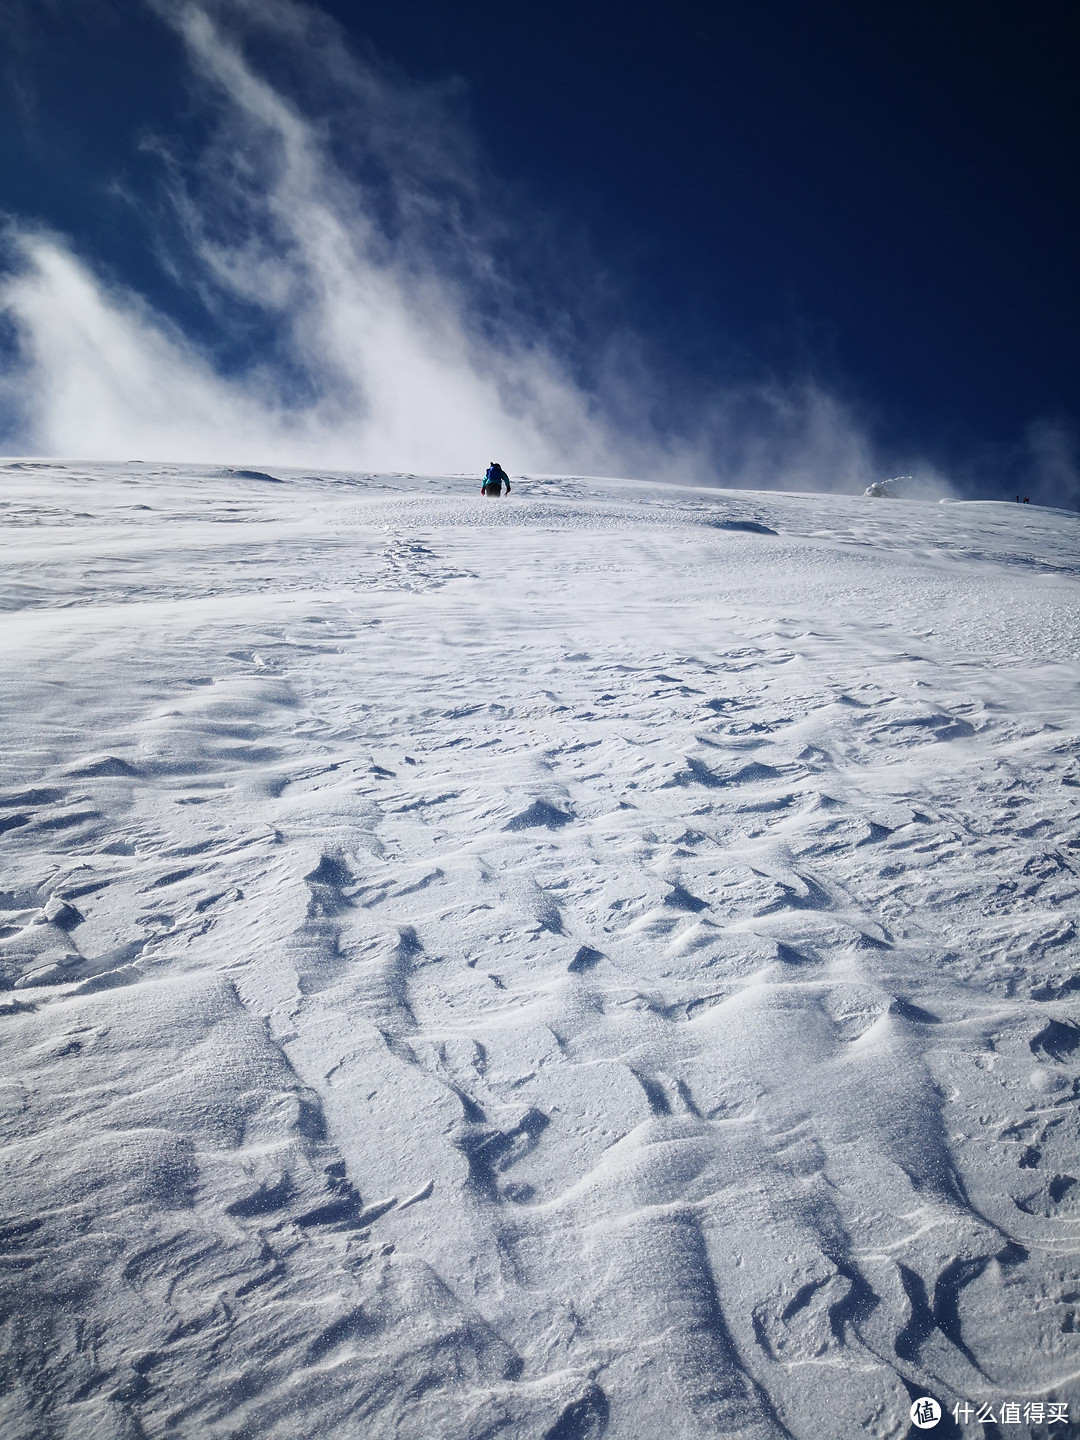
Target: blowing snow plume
[
  {"x": 356, "y": 283},
  {"x": 370, "y": 350}
]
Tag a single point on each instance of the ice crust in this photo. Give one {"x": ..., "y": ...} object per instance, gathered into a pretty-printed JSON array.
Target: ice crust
[{"x": 599, "y": 963}]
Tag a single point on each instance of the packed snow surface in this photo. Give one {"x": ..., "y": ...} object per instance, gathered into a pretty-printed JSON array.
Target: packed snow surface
[{"x": 599, "y": 961}]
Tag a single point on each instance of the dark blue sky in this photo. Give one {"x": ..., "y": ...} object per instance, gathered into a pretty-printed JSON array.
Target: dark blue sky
[
  {"x": 888, "y": 191},
  {"x": 882, "y": 195}
]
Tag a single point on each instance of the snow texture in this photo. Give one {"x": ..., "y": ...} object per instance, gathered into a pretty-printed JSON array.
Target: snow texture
[{"x": 603, "y": 962}]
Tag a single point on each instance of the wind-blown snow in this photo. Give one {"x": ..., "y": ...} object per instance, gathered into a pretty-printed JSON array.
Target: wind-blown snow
[
  {"x": 370, "y": 293},
  {"x": 599, "y": 961}
]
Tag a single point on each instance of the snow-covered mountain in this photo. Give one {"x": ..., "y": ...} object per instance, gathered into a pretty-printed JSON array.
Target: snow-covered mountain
[{"x": 599, "y": 961}]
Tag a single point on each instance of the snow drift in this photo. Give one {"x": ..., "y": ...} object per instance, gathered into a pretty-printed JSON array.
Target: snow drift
[{"x": 601, "y": 962}]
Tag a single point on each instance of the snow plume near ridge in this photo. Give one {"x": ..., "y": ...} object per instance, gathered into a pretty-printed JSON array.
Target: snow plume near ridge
[
  {"x": 369, "y": 355},
  {"x": 334, "y": 219},
  {"x": 1053, "y": 464}
]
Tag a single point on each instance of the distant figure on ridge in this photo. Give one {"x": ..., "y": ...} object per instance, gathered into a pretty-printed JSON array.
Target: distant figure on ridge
[{"x": 494, "y": 479}]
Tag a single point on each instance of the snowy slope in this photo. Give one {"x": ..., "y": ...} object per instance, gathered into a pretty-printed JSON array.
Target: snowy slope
[{"x": 603, "y": 961}]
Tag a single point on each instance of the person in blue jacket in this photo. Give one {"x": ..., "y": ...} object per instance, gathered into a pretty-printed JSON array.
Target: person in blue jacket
[{"x": 494, "y": 479}]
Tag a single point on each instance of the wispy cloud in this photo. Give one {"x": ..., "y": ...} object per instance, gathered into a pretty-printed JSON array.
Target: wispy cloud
[
  {"x": 336, "y": 215},
  {"x": 1051, "y": 467}
]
